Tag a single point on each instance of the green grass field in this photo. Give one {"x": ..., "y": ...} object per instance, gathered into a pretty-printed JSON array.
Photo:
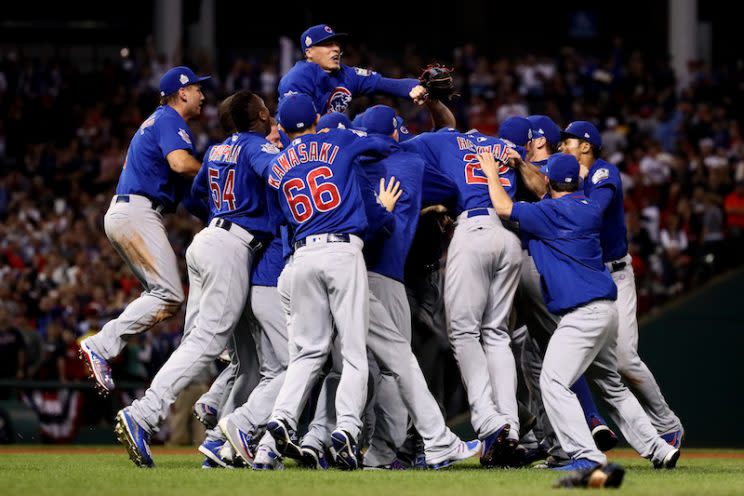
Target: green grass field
[{"x": 105, "y": 471}]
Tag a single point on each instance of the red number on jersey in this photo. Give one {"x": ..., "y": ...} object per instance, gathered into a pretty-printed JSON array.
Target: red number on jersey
[
  {"x": 472, "y": 165},
  {"x": 214, "y": 185},
  {"x": 218, "y": 196},
  {"x": 323, "y": 196}
]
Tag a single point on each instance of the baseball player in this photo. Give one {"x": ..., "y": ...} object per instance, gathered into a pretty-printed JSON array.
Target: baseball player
[
  {"x": 564, "y": 240},
  {"x": 481, "y": 277},
  {"x": 389, "y": 332},
  {"x": 151, "y": 184},
  {"x": 219, "y": 285},
  {"x": 603, "y": 185},
  {"x": 318, "y": 194},
  {"x": 331, "y": 84}
]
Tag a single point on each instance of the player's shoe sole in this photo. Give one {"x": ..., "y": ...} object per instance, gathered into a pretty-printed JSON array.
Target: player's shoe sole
[
  {"x": 347, "y": 454},
  {"x": 206, "y": 415},
  {"x": 98, "y": 369},
  {"x": 279, "y": 430},
  {"x": 497, "y": 447},
  {"x": 130, "y": 435},
  {"x": 670, "y": 460},
  {"x": 604, "y": 438}
]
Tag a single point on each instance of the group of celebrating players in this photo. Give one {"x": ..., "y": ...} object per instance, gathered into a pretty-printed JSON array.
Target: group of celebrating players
[{"x": 299, "y": 273}]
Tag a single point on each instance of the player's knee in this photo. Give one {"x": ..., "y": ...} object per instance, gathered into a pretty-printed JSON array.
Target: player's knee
[{"x": 627, "y": 358}]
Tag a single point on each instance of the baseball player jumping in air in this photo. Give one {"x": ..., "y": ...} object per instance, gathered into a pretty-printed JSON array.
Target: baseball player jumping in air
[
  {"x": 564, "y": 241},
  {"x": 219, "y": 263},
  {"x": 332, "y": 85},
  {"x": 159, "y": 162}
]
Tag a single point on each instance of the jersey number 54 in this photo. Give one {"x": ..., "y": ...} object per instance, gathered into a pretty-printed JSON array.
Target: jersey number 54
[
  {"x": 226, "y": 195},
  {"x": 322, "y": 197}
]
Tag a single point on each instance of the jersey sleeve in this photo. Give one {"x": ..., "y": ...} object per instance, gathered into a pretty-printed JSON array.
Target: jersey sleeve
[
  {"x": 260, "y": 157},
  {"x": 396, "y": 87},
  {"x": 437, "y": 188},
  {"x": 602, "y": 197},
  {"x": 171, "y": 137},
  {"x": 534, "y": 219},
  {"x": 604, "y": 177},
  {"x": 300, "y": 79}
]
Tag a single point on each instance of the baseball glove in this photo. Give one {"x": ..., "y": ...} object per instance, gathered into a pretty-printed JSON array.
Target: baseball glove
[
  {"x": 610, "y": 475},
  {"x": 439, "y": 82}
]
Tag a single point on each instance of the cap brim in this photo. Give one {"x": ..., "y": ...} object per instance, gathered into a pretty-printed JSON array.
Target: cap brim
[{"x": 565, "y": 135}]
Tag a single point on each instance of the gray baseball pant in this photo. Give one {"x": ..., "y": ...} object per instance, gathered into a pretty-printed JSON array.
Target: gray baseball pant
[
  {"x": 481, "y": 278},
  {"x": 221, "y": 285},
  {"x": 329, "y": 285},
  {"x": 585, "y": 341},
  {"x": 634, "y": 371},
  {"x": 137, "y": 233}
]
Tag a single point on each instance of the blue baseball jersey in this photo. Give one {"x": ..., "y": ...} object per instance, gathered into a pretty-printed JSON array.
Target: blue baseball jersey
[
  {"x": 269, "y": 264},
  {"x": 455, "y": 155},
  {"x": 380, "y": 222},
  {"x": 563, "y": 239},
  {"x": 332, "y": 92},
  {"x": 603, "y": 177},
  {"x": 146, "y": 171},
  {"x": 316, "y": 182},
  {"x": 387, "y": 255},
  {"x": 236, "y": 191},
  {"x": 507, "y": 175}
]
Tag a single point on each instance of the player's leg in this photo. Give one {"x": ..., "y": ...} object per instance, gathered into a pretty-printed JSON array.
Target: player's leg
[
  {"x": 466, "y": 289},
  {"x": 625, "y": 410},
  {"x": 309, "y": 330},
  {"x": 504, "y": 274},
  {"x": 633, "y": 370},
  {"x": 346, "y": 277},
  {"x": 138, "y": 234},
  {"x": 224, "y": 293},
  {"x": 391, "y": 415},
  {"x": 392, "y": 350},
  {"x": 572, "y": 348},
  {"x": 207, "y": 408},
  {"x": 603, "y": 435}
]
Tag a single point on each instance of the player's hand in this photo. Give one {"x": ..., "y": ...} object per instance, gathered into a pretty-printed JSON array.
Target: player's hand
[
  {"x": 488, "y": 164},
  {"x": 418, "y": 94},
  {"x": 389, "y": 194},
  {"x": 512, "y": 153}
]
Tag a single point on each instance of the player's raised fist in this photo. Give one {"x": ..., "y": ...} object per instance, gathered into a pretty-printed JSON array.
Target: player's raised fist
[{"x": 418, "y": 94}]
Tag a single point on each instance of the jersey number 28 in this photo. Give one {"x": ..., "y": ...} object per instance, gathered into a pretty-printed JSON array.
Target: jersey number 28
[
  {"x": 222, "y": 196},
  {"x": 323, "y": 196}
]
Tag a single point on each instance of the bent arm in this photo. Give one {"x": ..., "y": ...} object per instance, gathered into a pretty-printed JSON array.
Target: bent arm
[{"x": 182, "y": 162}]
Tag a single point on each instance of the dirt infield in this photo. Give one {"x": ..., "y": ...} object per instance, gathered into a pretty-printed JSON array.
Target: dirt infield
[{"x": 185, "y": 450}]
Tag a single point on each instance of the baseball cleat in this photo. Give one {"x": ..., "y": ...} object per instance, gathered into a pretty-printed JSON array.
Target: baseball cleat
[
  {"x": 674, "y": 439},
  {"x": 577, "y": 465},
  {"x": 313, "y": 459},
  {"x": 208, "y": 464},
  {"x": 211, "y": 449},
  {"x": 670, "y": 460},
  {"x": 464, "y": 451},
  {"x": 396, "y": 464},
  {"x": 134, "y": 438},
  {"x": 610, "y": 475},
  {"x": 603, "y": 436},
  {"x": 282, "y": 434},
  {"x": 495, "y": 446},
  {"x": 239, "y": 440},
  {"x": 99, "y": 369},
  {"x": 206, "y": 414},
  {"x": 347, "y": 451},
  {"x": 552, "y": 461},
  {"x": 267, "y": 459}
]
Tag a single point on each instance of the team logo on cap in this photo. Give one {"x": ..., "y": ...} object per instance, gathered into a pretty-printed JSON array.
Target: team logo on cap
[
  {"x": 529, "y": 134},
  {"x": 404, "y": 130},
  {"x": 328, "y": 29},
  {"x": 308, "y": 41},
  {"x": 339, "y": 100},
  {"x": 184, "y": 79},
  {"x": 586, "y": 135}
]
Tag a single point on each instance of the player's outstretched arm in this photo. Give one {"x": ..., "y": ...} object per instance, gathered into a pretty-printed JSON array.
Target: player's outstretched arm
[
  {"x": 500, "y": 199},
  {"x": 182, "y": 162},
  {"x": 533, "y": 178}
]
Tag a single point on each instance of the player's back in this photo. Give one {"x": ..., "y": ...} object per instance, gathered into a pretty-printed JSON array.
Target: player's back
[
  {"x": 237, "y": 192},
  {"x": 146, "y": 171},
  {"x": 455, "y": 155},
  {"x": 317, "y": 188},
  {"x": 614, "y": 234}
]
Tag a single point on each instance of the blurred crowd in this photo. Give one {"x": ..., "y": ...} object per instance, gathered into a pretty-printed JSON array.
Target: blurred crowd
[{"x": 64, "y": 134}]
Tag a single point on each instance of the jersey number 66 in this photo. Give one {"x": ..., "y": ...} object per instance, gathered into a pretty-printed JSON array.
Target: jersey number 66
[{"x": 323, "y": 196}]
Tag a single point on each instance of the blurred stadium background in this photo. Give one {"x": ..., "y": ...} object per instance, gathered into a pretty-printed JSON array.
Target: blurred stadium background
[{"x": 662, "y": 79}]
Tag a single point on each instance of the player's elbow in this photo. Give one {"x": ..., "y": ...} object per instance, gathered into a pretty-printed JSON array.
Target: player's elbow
[{"x": 181, "y": 162}]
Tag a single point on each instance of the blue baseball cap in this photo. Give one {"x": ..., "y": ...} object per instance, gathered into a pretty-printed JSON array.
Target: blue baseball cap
[
  {"x": 544, "y": 127},
  {"x": 518, "y": 130},
  {"x": 380, "y": 119},
  {"x": 334, "y": 120},
  {"x": 297, "y": 113},
  {"x": 562, "y": 168},
  {"x": 357, "y": 121},
  {"x": 318, "y": 34},
  {"x": 583, "y": 130},
  {"x": 177, "y": 78},
  {"x": 403, "y": 133}
]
